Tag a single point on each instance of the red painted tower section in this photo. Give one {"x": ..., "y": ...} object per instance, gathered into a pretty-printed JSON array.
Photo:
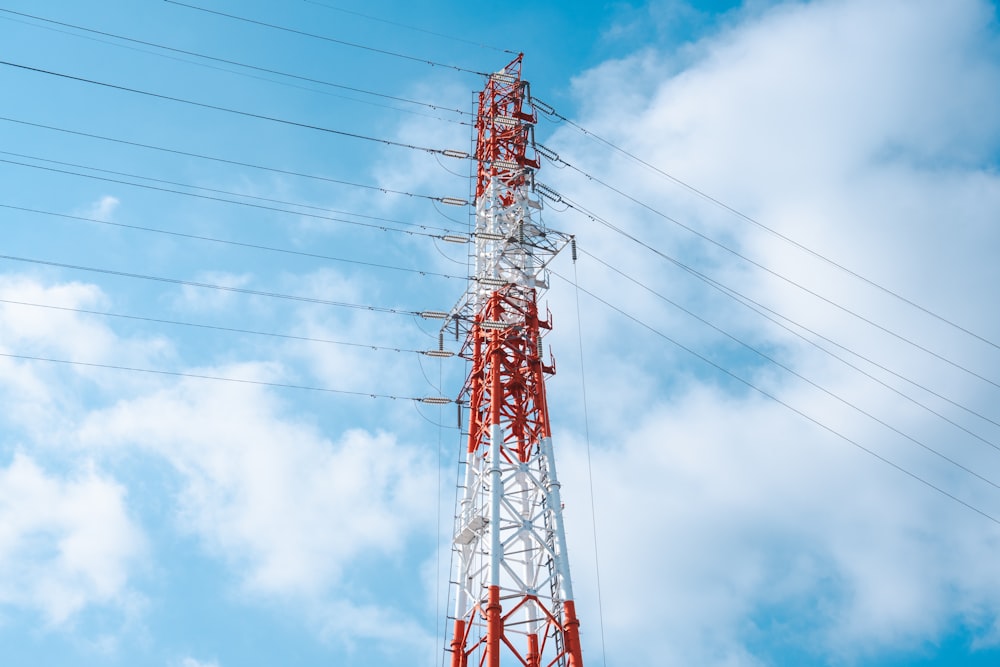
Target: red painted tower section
[{"x": 513, "y": 594}]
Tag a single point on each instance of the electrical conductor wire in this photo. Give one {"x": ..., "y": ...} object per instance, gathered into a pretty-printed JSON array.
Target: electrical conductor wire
[
  {"x": 822, "y": 349},
  {"x": 218, "y": 378},
  {"x": 329, "y": 39},
  {"x": 548, "y": 110},
  {"x": 369, "y": 225},
  {"x": 596, "y": 218},
  {"x": 214, "y": 327},
  {"x": 238, "y": 112},
  {"x": 787, "y": 405},
  {"x": 429, "y": 105},
  {"x": 224, "y": 288},
  {"x": 410, "y": 27}
]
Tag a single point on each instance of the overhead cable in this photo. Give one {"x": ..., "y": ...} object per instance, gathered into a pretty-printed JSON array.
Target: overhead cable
[
  {"x": 410, "y": 27},
  {"x": 241, "y": 244},
  {"x": 787, "y": 405},
  {"x": 224, "y": 288},
  {"x": 248, "y": 114},
  {"x": 214, "y": 327},
  {"x": 820, "y": 348},
  {"x": 821, "y": 388},
  {"x": 305, "y": 214},
  {"x": 219, "y": 378},
  {"x": 596, "y": 218},
  {"x": 325, "y": 179},
  {"x": 353, "y": 89},
  {"x": 550, "y": 111},
  {"x": 775, "y": 317},
  {"x": 355, "y": 45}
]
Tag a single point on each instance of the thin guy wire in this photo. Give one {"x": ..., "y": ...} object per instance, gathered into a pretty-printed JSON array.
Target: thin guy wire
[
  {"x": 224, "y": 288},
  {"x": 822, "y": 349},
  {"x": 200, "y": 156},
  {"x": 218, "y": 378},
  {"x": 773, "y": 231},
  {"x": 235, "y": 243},
  {"x": 363, "y": 91},
  {"x": 411, "y": 27},
  {"x": 330, "y": 39},
  {"x": 598, "y": 219},
  {"x": 437, "y": 525},
  {"x": 590, "y": 467},
  {"x": 213, "y": 327},
  {"x": 238, "y": 112},
  {"x": 779, "y": 401},
  {"x": 369, "y": 225}
]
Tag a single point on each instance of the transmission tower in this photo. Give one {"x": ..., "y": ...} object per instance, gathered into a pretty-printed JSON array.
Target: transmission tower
[{"x": 513, "y": 594}]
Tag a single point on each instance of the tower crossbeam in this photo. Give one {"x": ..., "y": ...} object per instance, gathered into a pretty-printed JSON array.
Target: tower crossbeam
[{"x": 513, "y": 594}]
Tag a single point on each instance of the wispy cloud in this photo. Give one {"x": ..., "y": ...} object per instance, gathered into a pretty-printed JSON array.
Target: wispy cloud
[{"x": 103, "y": 209}]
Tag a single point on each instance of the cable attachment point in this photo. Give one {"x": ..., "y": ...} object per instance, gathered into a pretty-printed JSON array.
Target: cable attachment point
[
  {"x": 547, "y": 153},
  {"x": 548, "y": 193},
  {"x": 436, "y": 400},
  {"x": 543, "y": 107}
]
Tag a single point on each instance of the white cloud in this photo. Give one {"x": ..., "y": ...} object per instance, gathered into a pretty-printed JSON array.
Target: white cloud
[
  {"x": 732, "y": 529},
  {"x": 292, "y": 512},
  {"x": 65, "y": 544},
  {"x": 287, "y": 508},
  {"x": 191, "y": 662},
  {"x": 42, "y": 320},
  {"x": 103, "y": 209}
]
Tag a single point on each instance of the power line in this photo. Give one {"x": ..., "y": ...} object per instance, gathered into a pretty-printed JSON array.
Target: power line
[
  {"x": 369, "y": 225},
  {"x": 225, "y": 160},
  {"x": 232, "y": 243},
  {"x": 429, "y": 105},
  {"x": 822, "y": 349},
  {"x": 248, "y": 114},
  {"x": 762, "y": 310},
  {"x": 213, "y": 327},
  {"x": 330, "y": 39},
  {"x": 787, "y": 405},
  {"x": 224, "y": 288},
  {"x": 826, "y": 391},
  {"x": 410, "y": 27},
  {"x": 219, "y": 378},
  {"x": 548, "y": 110},
  {"x": 596, "y": 218},
  {"x": 326, "y": 179}
]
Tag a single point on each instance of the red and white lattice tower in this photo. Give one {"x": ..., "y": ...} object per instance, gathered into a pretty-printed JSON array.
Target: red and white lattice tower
[{"x": 512, "y": 590}]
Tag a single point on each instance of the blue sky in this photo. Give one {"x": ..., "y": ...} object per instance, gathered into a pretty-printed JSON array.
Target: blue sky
[{"x": 788, "y": 451}]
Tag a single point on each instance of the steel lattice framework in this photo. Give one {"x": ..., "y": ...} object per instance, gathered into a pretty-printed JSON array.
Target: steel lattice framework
[{"x": 512, "y": 590}]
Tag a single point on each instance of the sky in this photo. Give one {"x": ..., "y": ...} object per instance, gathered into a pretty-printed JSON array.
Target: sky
[{"x": 777, "y": 352}]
